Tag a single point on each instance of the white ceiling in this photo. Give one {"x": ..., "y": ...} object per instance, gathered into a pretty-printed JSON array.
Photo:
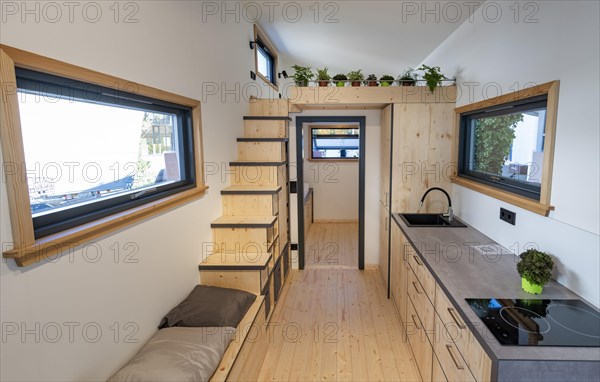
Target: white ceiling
[{"x": 380, "y": 37}]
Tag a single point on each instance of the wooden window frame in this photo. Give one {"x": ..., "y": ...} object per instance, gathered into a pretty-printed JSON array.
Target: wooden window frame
[
  {"x": 541, "y": 207},
  {"x": 260, "y": 35},
  {"x": 26, "y": 249}
]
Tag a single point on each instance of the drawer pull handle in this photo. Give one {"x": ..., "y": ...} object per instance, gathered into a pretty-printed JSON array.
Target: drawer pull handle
[
  {"x": 418, "y": 260},
  {"x": 458, "y": 322},
  {"x": 415, "y": 320},
  {"x": 414, "y": 283},
  {"x": 454, "y": 357}
]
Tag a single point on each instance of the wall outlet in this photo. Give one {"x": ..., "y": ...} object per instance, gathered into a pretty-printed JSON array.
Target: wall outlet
[
  {"x": 508, "y": 216},
  {"x": 252, "y": 75}
]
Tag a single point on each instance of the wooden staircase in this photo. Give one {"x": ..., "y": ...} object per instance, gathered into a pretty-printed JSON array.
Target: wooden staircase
[{"x": 252, "y": 238}]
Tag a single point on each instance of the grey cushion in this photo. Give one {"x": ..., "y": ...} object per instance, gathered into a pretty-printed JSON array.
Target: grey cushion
[
  {"x": 210, "y": 306},
  {"x": 178, "y": 354}
]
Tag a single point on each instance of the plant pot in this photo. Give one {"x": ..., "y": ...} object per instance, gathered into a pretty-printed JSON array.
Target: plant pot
[
  {"x": 530, "y": 287},
  {"x": 355, "y": 83},
  {"x": 373, "y": 83},
  {"x": 302, "y": 84},
  {"x": 408, "y": 83},
  {"x": 340, "y": 84},
  {"x": 323, "y": 83},
  {"x": 385, "y": 83}
]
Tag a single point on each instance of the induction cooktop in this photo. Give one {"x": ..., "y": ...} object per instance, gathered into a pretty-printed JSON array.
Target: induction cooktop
[{"x": 540, "y": 322}]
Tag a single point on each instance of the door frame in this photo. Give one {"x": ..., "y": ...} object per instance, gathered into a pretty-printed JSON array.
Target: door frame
[{"x": 300, "y": 121}]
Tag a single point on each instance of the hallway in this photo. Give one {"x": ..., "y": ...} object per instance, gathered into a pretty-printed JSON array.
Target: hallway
[{"x": 332, "y": 246}]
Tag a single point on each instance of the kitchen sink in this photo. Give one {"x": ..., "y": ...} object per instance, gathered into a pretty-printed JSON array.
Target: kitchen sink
[{"x": 430, "y": 220}]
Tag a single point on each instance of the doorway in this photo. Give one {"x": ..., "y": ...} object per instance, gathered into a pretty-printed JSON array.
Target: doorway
[{"x": 359, "y": 122}]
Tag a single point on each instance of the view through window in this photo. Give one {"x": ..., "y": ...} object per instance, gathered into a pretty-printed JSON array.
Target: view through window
[{"x": 335, "y": 143}]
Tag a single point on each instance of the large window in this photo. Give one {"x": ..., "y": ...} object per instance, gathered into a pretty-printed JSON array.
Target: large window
[
  {"x": 85, "y": 153},
  {"x": 329, "y": 143},
  {"x": 265, "y": 57},
  {"x": 90, "y": 152},
  {"x": 506, "y": 144}
]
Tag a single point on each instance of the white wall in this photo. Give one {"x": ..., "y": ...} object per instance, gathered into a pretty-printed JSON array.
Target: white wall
[
  {"x": 372, "y": 175},
  {"x": 334, "y": 184},
  {"x": 171, "y": 48},
  {"x": 560, "y": 43}
]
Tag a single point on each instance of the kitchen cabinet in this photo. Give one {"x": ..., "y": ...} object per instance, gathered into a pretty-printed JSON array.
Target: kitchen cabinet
[
  {"x": 416, "y": 148},
  {"x": 384, "y": 238},
  {"x": 400, "y": 268}
]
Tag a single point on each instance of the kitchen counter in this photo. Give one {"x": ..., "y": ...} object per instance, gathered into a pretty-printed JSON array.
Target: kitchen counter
[{"x": 462, "y": 272}]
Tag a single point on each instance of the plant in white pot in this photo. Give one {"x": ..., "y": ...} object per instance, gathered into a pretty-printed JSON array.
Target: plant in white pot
[{"x": 535, "y": 268}]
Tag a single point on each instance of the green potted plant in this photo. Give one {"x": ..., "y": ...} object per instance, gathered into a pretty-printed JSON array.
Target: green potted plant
[
  {"x": 302, "y": 75},
  {"x": 408, "y": 78},
  {"x": 386, "y": 80},
  {"x": 535, "y": 268},
  {"x": 323, "y": 77},
  {"x": 432, "y": 76},
  {"x": 356, "y": 77},
  {"x": 372, "y": 80},
  {"x": 341, "y": 80}
]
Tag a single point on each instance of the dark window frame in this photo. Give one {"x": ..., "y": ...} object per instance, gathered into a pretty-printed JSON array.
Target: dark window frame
[
  {"x": 61, "y": 87},
  {"x": 340, "y": 158},
  {"x": 466, "y": 136}
]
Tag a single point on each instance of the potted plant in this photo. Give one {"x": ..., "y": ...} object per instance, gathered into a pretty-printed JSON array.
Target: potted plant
[
  {"x": 372, "y": 80},
  {"x": 386, "y": 80},
  {"x": 535, "y": 268},
  {"x": 432, "y": 76},
  {"x": 356, "y": 77},
  {"x": 323, "y": 77},
  {"x": 408, "y": 78},
  {"x": 341, "y": 80},
  {"x": 302, "y": 75}
]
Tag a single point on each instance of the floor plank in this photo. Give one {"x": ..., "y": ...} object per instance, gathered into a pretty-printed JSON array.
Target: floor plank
[{"x": 332, "y": 245}]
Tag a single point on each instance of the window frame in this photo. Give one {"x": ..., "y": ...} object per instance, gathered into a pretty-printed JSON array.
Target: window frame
[
  {"x": 262, "y": 42},
  {"x": 506, "y": 191},
  {"x": 26, "y": 249},
  {"x": 331, "y": 159}
]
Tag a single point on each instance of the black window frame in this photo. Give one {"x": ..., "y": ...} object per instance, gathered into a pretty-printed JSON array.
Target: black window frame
[
  {"x": 466, "y": 136},
  {"x": 340, "y": 158},
  {"x": 53, "y": 86},
  {"x": 261, "y": 47}
]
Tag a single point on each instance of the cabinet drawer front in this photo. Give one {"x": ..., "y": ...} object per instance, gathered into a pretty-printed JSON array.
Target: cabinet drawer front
[
  {"x": 466, "y": 343},
  {"x": 421, "y": 348},
  {"x": 425, "y": 278},
  {"x": 437, "y": 374},
  {"x": 451, "y": 360},
  {"x": 423, "y": 306}
]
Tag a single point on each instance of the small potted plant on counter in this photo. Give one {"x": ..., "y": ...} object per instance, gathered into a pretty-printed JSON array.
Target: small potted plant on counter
[
  {"x": 386, "y": 80},
  {"x": 302, "y": 75},
  {"x": 408, "y": 78},
  {"x": 356, "y": 77},
  {"x": 323, "y": 77},
  {"x": 535, "y": 268},
  {"x": 372, "y": 80},
  {"x": 432, "y": 76},
  {"x": 341, "y": 80}
]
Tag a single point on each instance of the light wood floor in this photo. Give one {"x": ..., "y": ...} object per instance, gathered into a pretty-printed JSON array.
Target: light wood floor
[
  {"x": 332, "y": 245},
  {"x": 336, "y": 325}
]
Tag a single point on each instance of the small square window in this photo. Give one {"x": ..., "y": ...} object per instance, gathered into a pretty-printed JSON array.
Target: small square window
[{"x": 335, "y": 143}]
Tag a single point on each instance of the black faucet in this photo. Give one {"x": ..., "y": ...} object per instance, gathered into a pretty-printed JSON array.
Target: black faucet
[{"x": 449, "y": 214}]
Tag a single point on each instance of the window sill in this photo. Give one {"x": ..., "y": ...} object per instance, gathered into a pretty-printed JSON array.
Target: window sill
[
  {"x": 266, "y": 81},
  {"x": 334, "y": 160},
  {"x": 519, "y": 201},
  {"x": 54, "y": 245}
]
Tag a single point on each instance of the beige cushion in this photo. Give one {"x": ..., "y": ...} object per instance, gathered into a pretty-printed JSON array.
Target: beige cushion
[{"x": 178, "y": 354}]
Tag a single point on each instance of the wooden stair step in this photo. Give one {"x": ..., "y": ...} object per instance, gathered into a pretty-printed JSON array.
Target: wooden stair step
[
  {"x": 251, "y": 190},
  {"x": 244, "y": 222},
  {"x": 239, "y": 261}
]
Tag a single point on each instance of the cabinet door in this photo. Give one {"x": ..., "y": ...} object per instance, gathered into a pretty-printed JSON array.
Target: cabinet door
[
  {"x": 421, "y": 155},
  {"x": 421, "y": 348},
  {"x": 386, "y": 147},
  {"x": 399, "y": 271},
  {"x": 384, "y": 232}
]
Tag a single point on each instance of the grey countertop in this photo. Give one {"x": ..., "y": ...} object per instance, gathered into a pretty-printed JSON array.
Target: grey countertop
[{"x": 463, "y": 272}]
